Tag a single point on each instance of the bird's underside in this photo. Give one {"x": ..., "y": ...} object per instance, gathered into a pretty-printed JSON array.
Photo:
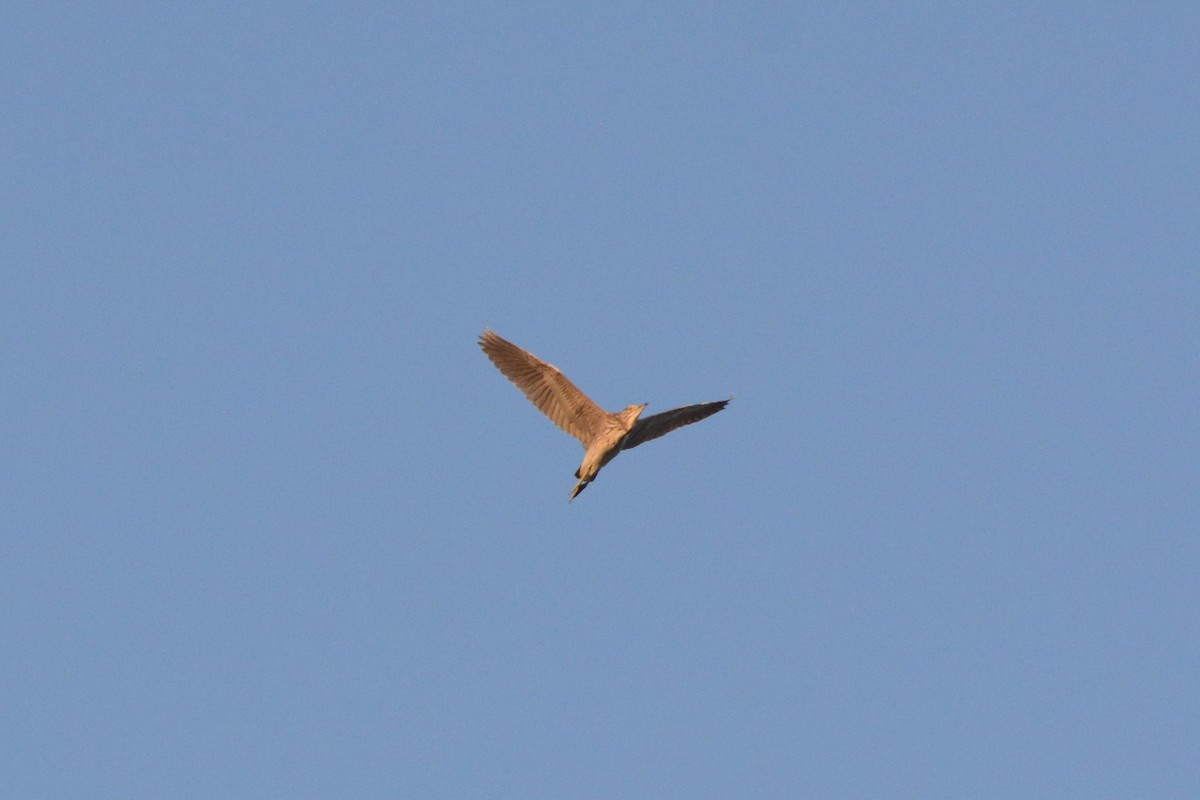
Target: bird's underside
[{"x": 602, "y": 434}]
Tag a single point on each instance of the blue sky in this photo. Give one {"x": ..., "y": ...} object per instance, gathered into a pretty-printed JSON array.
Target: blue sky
[{"x": 274, "y": 527}]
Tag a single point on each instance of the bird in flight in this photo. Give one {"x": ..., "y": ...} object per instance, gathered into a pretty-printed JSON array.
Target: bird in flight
[{"x": 603, "y": 434}]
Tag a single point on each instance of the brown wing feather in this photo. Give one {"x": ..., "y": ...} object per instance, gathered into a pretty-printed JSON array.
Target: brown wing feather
[
  {"x": 657, "y": 425},
  {"x": 546, "y": 387}
]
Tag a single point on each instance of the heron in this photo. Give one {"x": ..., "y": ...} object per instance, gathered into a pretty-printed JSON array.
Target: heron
[{"x": 603, "y": 434}]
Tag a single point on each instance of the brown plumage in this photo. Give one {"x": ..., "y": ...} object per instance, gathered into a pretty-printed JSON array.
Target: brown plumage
[{"x": 603, "y": 434}]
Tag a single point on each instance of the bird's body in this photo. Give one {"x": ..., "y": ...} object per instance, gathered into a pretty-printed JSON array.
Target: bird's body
[{"x": 603, "y": 435}]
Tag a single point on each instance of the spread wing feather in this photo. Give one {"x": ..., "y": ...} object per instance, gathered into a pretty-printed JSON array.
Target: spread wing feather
[
  {"x": 657, "y": 425},
  {"x": 546, "y": 387}
]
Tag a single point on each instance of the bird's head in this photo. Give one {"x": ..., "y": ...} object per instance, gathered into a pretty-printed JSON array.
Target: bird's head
[{"x": 631, "y": 413}]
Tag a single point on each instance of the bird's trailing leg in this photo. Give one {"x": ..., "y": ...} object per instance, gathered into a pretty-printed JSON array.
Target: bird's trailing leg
[{"x": 579, "y": 487}]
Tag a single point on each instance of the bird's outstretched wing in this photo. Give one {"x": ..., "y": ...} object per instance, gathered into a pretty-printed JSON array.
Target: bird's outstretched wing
[
  {"x": 546, "y": 387},
  {"x": 657, "y": 425}
]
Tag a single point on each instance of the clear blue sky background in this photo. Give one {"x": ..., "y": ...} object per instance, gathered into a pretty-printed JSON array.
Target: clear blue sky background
[{"x": 274, "y": 527}]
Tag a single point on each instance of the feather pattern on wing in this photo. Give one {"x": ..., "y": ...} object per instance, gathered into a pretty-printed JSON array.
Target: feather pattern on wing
[
  {"x": 657, "y": 425},
  {"x": 546, "y": 387}
]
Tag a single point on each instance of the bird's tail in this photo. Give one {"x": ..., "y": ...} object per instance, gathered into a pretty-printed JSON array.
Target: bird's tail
[{"x": 579, "y": 487}]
